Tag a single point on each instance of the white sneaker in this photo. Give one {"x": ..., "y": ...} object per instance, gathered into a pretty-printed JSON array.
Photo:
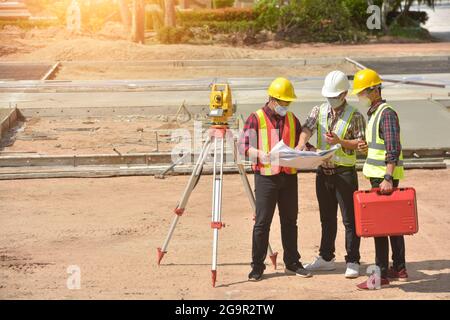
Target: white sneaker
[
  {"x": 321, "y": 265},
  {"x": 352, "y": 270}
]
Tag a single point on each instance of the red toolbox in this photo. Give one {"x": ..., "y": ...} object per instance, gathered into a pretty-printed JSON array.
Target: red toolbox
[{"x": 379, "y": 215}]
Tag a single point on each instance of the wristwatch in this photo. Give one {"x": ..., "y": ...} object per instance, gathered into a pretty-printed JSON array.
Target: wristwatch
[{"x": 388, "y": 177}]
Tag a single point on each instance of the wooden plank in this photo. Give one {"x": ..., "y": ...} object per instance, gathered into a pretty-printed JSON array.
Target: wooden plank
[
  {"x": 106, "y": 111},
  {"x": 9, "y": 121},
  {"x": 98, "y": 172},
  {"x": 49, "y": 74},
  {"x": 85, "y": 160},
  {"x": 139, "y": 158}
]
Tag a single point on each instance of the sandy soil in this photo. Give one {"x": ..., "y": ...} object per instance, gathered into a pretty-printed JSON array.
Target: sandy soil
[
  {"x": 110, "y": 228},
  {"x": 95, "y": 135},
  {"x": 55, "y": 44},
  {"x": 113, "y": 71}
]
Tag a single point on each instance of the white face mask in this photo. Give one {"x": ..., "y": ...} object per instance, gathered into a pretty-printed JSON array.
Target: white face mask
[
  {"x": 281, "y": 110},
  {"x": 335, "y": 102},
  {"x": 364, "y": 102}
]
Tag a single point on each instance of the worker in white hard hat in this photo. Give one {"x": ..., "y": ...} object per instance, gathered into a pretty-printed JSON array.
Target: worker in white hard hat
[{"x": 336, "y": 122}]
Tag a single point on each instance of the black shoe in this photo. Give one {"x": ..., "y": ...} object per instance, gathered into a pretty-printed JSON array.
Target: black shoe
[
  {"x": 298, "y": 270},
  {"x": 255, "y": 274}
]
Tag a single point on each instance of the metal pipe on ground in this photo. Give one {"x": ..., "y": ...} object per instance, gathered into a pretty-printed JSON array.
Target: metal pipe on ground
[{"x": 426, "y": 84}]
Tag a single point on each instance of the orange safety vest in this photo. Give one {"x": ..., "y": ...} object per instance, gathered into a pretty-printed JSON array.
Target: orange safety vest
[{"x": 268, "y": 137}]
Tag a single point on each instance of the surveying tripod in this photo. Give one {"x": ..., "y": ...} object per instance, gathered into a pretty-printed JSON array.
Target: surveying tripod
[{"x": 216, "y": 137}]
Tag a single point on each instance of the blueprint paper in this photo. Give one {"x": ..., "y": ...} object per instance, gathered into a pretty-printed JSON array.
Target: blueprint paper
[{"x": 285, "y": 156}]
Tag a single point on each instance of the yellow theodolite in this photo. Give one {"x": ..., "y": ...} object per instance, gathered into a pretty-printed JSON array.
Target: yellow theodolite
[{"x": 220, "y": 105}]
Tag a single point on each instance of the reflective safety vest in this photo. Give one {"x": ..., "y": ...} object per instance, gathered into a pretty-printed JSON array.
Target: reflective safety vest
[
  {"x": 268, "y": 137},
  {"x": 375, "y": 165},
  {"x": 340, "y": 158}
]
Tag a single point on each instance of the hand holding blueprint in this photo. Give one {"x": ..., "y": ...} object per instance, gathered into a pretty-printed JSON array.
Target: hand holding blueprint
[{"x": 285, "y": 156}]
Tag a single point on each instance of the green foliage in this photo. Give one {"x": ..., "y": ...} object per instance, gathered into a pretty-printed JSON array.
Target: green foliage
[
  {"x": 327, "y": 19},
  {"x": 225, "y": 26},
  {"x": 172, "y": 35},
  {"x": 207, "y": 23},
  {"x": 29, "y": 24},
  {"x": 226, "y": 14},
  {"x": 275, "y": 17},
  {"x": 293, "y": 20},
  {"x": 308, "y": 20},
  {"x": 223, "y": 3},
  {"x": 358, "y": 11},
  {"x": 416, "y": 16},
  {"x": 406, "y": 27}
]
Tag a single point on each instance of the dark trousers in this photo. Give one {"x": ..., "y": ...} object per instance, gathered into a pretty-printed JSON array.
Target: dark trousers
[
  {"x": 281, "y": 190},
  {"x": 382, "y": 244},
  {"x": 334, "y": 190}
]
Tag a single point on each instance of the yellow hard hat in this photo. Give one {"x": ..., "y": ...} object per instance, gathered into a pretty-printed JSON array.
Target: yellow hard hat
[
  {"x": 364, "y": 79},
  {"x": 282, "y": 89}
]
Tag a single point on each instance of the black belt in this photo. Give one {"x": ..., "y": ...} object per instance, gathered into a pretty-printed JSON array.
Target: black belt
[{"x": 335, "y": 170}]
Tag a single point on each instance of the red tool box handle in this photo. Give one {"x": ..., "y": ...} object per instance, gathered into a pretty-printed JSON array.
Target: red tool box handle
[{"x": 377, "y": 190}]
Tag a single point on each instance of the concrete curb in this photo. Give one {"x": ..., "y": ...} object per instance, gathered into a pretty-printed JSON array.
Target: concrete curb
[{"x": 117, "y": 171}]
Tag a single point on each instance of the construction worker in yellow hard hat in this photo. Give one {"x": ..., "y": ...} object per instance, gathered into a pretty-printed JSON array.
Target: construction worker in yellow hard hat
[
  {"x": 282, "y": 89},
  {"x": 274, "y": 184},
  {"x": 383, "y": 166},
  {"x": 365, "y": 79}
]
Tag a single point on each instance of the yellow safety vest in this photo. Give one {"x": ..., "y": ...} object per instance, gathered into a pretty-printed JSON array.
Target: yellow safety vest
[
  {"x": 375, "y": 165},
  {"x": 268, "y": 138},
  {"x": 340, "y": 158}
]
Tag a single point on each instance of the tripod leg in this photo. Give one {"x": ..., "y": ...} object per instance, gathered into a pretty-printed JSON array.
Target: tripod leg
[
  {"x": 216, "y": 222},
  {"x": 179, "y": 210},
  {"x": 251, "y": 197}
]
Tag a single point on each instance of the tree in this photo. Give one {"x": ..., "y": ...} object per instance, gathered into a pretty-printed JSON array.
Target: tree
[
  {"x": 125, "y": 14},
  {"x": 386, "y": 7},
  {"x": 405, "y": 5},
  {"x": 138, "y": 25},
  {"x": 169, "y": 13}
]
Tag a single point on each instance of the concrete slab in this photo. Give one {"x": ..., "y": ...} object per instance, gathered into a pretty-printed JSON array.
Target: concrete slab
[
  {"x": 424, "y": 124},
  {"x": 215, "y": 63},
  {"x": 146, "y": 93},
  {"x": 408, "y": 65},
  {"x": 146, "y": 96},
  {"x": 23, "y": 71}
]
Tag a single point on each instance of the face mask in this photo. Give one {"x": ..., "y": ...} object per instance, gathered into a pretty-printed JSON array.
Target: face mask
[
  {"x": 335, "y": 102},
  {"x": 281, "y": 110},
  {"x": 365, "y": 102}
]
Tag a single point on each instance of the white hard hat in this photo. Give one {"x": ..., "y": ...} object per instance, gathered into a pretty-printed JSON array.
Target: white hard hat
[{"x": 335, "y": 83}]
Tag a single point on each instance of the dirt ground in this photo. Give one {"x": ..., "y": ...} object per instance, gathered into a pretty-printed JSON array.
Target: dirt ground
[
  {"x": 111, "y": 228},
  {"x": 96, "y": 135},
  {"x": 55, "y": 44},
  {"x": 81, "y": 71}
]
